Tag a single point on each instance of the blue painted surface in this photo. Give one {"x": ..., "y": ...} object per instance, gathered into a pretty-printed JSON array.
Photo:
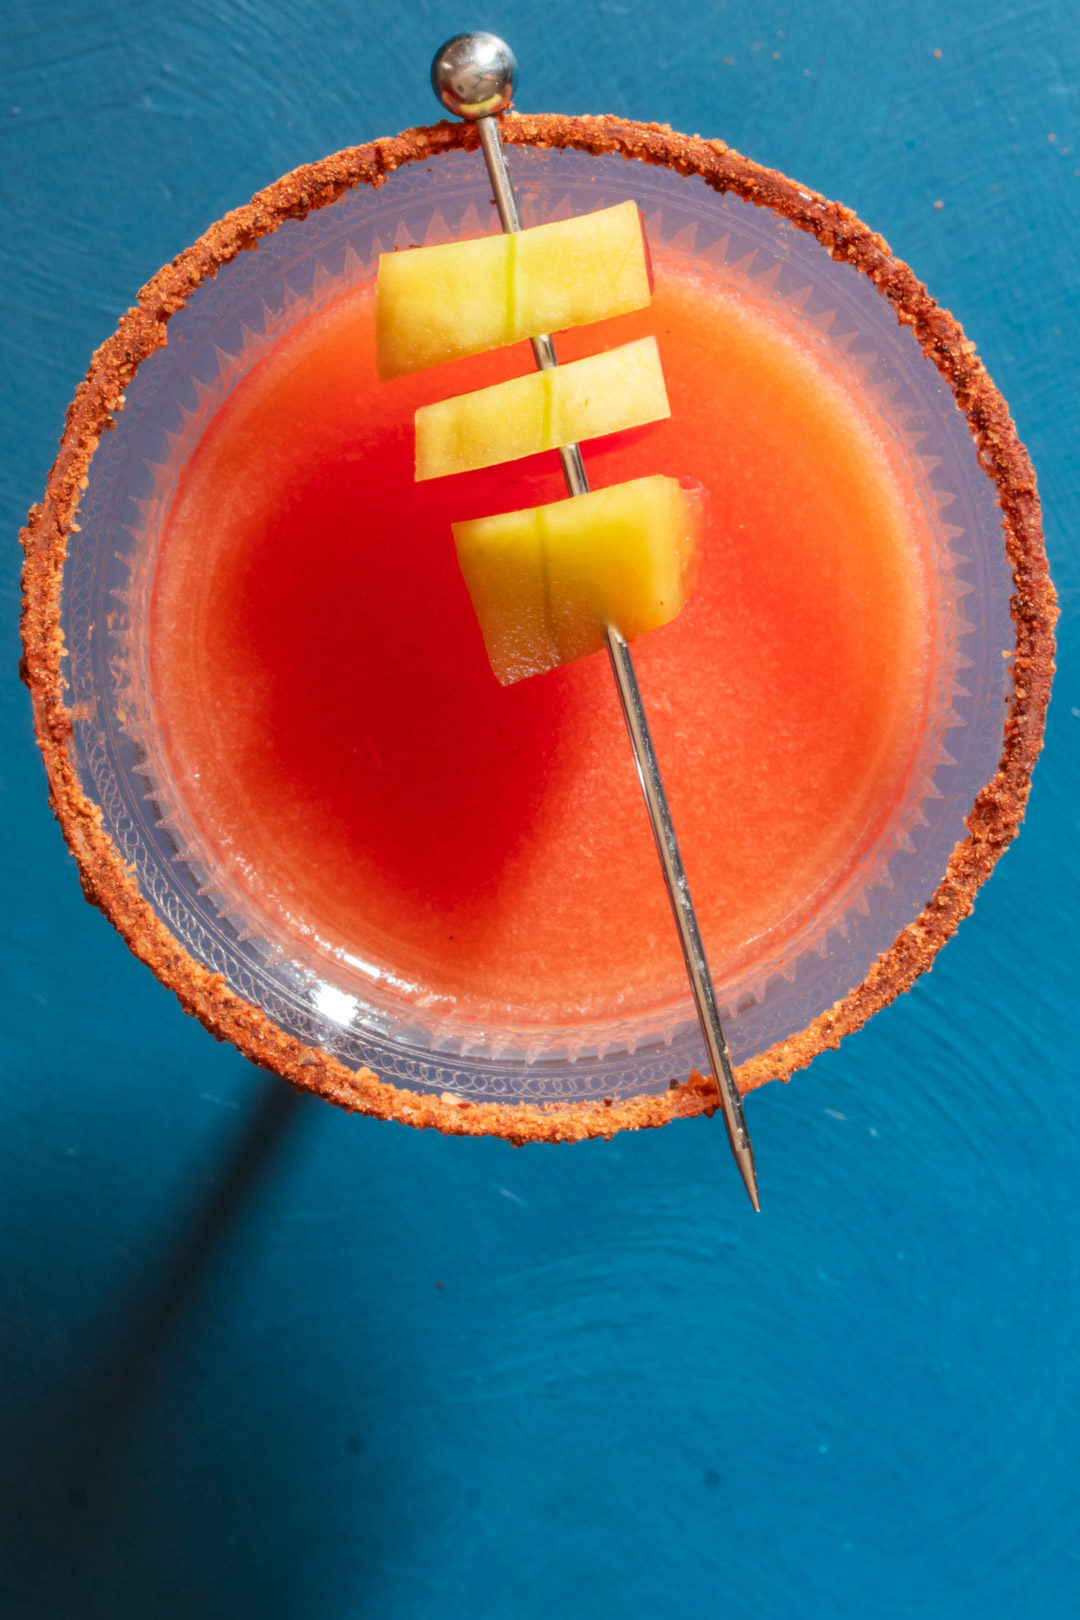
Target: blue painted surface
[{"x": 263, "y": 1360}]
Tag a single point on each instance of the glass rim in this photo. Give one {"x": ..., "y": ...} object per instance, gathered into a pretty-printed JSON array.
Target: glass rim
[{"x": 106, "y": 878}]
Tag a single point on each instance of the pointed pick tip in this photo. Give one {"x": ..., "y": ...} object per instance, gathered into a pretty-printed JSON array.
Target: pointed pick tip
[{"x": 749, "y": 1175}]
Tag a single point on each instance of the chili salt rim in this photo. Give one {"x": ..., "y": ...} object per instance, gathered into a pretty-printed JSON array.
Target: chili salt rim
[{"x": 108, "y": 882}]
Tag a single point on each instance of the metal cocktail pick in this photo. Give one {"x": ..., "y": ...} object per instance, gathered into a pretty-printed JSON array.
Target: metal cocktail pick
[{"x": 473, "y": 76}]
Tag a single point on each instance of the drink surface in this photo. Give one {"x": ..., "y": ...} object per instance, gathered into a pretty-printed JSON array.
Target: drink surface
[{"x": 347, "y": 757}]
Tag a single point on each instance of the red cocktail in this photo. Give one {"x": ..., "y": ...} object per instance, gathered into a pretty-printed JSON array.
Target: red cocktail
[{"x": 363, "y": 808}]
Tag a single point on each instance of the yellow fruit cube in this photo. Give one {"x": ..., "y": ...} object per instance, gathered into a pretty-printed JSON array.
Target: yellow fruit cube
[
  {"x": 438, "y": 303},
  {"x": 546, "y": 582},
  {"x": 604, "y": 393}
]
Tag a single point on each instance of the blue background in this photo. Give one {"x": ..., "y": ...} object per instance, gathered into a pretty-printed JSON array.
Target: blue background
[{"x": 261, "y": 1359}]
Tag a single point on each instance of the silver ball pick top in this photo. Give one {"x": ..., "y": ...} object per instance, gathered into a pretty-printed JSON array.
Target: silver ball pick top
[{"x": 473, "y": 76}]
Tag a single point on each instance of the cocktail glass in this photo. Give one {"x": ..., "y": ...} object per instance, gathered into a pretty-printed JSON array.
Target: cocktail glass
[{"x": 91, "y": 550}]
